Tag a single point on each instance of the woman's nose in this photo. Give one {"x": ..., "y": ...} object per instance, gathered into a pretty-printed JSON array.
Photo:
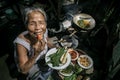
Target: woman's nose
[{"x": 38, "y": 26}]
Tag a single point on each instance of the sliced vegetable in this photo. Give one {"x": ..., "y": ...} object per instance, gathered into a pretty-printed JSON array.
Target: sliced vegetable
[{"x": 63, "y": 58}]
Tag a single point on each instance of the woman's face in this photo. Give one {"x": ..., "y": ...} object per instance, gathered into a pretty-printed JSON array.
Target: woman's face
[{"x": 36, "y": 23}]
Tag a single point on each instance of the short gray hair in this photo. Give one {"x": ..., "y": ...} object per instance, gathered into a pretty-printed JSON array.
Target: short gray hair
[{"x": 31, "y": 9}]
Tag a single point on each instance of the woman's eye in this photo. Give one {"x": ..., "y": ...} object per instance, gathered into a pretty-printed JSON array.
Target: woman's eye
[
  {"x": 42, "y": 23},
  {"x": 31, "y": 24}
]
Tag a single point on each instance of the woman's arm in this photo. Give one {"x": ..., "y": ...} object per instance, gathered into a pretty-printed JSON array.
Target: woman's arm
[{"x": 25, "y": 63}]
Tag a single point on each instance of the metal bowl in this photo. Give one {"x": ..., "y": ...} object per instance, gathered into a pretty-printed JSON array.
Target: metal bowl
[{"x": 83, "y": 21}]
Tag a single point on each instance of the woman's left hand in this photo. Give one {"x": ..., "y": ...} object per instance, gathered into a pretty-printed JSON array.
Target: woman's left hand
[{"x": 52, "y": 42}]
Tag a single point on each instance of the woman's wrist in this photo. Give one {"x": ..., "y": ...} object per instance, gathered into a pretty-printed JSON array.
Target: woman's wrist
[{"x": 35, "y": 55}]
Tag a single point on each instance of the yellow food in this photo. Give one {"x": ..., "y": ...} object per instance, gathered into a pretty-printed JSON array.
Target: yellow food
[
  {"x": 84, "y": 61},
  {"x": 86, "y": 22},
  {"x": 83, "y": 23}
]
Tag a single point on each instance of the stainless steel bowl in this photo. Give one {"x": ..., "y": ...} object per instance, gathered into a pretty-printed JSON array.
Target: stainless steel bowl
[{"x": 83, "y": 21}]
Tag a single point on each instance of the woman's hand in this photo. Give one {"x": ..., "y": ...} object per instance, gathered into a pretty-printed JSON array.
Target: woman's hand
[
  {"x": 52, "y": 42},
  {"x": 39, "y": 46}
]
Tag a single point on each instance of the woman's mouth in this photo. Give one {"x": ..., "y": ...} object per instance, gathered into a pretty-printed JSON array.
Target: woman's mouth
[{"x": 38, "y": 33}]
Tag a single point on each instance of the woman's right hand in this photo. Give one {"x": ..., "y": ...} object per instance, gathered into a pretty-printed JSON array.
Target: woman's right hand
[{"x": 39, "y": 46}]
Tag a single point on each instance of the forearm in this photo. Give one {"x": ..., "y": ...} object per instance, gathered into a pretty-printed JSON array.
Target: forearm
[{"x": 28, "y": 65}]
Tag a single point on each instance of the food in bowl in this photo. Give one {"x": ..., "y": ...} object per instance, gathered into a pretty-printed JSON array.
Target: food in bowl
[
  {"x": 85, "y": 61},
  {"x": 59, "y": 57},
  {"x": 68, "y": 71},
  {"x": 74, "y": 54},
  {"x": 83, "y": 23},
  {"x": 54, "y": 58}
]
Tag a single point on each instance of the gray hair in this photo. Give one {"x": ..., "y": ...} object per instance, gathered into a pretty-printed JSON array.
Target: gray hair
[{"x": 31, "y": 9}]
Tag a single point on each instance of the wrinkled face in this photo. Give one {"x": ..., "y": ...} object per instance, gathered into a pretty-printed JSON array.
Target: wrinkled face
[{"x": 36, "y": 23}]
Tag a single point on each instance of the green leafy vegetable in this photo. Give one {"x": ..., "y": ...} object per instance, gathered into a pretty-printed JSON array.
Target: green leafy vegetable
[
  {"x": 72, "y": 77},
  {"x": 55, "y": 58},
  {"x": 77, "y": 69},
  {"x": 68, "y": 69}
]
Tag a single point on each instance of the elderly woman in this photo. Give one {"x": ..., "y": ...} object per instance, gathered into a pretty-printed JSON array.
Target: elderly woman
[{"x": 31, "y": 46}]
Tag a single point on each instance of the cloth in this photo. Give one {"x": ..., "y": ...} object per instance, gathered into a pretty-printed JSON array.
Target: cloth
[{"x": 34, "y": 73}]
